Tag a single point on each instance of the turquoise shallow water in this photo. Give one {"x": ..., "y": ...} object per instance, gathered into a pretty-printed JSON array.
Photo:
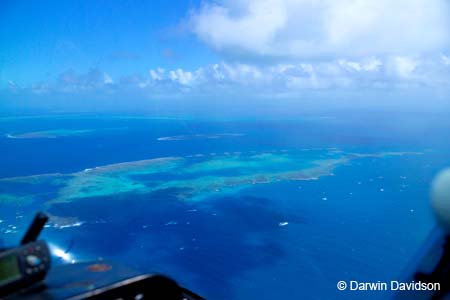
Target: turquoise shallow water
[{"x": 238, "y": 215}]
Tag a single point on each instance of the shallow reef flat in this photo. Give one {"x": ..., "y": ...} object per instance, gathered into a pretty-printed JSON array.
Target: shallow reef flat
[
  {"x": 49, "y": 134},
  {"x": 193, "y": 178},
  {"x": 145, "y": 166},
  {"x": 199, "y": 136},
  {"x": 58, "y": 133}
]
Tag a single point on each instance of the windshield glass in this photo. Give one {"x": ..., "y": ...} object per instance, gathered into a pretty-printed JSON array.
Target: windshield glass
[{"x": 248, "y": 149}]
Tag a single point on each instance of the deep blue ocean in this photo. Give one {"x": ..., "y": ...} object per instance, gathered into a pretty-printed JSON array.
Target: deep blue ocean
[{"x": 365, "y": 223}]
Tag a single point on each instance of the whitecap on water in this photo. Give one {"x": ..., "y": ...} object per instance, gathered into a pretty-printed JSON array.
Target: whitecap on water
[
  {"x": 171, "y": 223},
  {"x": 76, "y": 224}
]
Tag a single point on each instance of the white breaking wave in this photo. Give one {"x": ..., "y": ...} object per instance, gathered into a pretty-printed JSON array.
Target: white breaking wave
[{"x": 198, "y": 136}]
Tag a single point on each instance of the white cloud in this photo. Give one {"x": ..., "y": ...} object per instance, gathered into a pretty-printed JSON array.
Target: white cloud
[
  {"x": 142, "y": 85},
  {"x": 255, "y": 79},
  {"x": 446, "y": 60},
  {"x": 182, "y": 77},
  {"x": 11, "y": 84},
  {"x": 405, "y": 66},
  {"x": 242, "y": 73},
  {"x": 372, "y": 65},
  {"x": 107, "y": 79},
  {"x": 157, "y": 74},
  {"x": 350, "y": 65},
  {"x": 323, "y": 28},
  {"x": 368, "y": 65},
  {"x": 253, "y": 31},
  {"x": 372, "y": 72}
]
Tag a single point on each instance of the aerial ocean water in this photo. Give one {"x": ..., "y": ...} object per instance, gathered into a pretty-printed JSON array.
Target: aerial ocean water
[
  {"x": 248, "y": 149},
  {"x": 233, "y": 208}
]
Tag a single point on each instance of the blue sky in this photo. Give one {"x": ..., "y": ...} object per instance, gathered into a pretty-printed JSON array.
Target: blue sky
[
  {"x": 257, "y": 48},
  {"x": 44, "y": 38}
]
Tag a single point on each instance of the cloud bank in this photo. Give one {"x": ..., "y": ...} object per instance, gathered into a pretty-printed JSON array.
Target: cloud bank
[
  {"x": 323, "y": 28},
  {"x": 284, "y": 47},
  {"x": 389, "y": 73}
]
